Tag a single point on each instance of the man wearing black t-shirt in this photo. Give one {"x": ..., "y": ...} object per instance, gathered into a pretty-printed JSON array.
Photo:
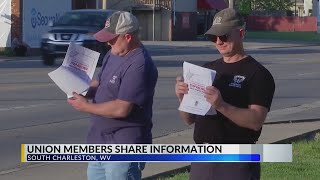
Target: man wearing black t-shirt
[{"x": 242, "y": 93}]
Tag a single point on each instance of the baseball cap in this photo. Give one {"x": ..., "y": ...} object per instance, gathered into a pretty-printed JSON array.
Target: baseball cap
[
  {"x": 224, "y": 21},
  {"x": 120, "y": 22}
]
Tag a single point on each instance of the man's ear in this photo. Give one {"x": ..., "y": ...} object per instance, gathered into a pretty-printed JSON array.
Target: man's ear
[
  {"x": 128, "y": 37},
  {"x": 242, "y": 33}
]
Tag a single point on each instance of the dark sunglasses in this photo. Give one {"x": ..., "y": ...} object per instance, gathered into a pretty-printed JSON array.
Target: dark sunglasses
[{"x": 214, "y": 38}]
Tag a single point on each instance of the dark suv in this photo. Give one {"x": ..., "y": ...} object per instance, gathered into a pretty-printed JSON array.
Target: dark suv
[{"x": 77, "y": 26}]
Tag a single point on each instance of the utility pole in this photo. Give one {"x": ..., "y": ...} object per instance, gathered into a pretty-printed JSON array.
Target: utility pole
[
  {"x": 295, "y": 7},
  {"x": 318, "y": 16},
  {"x": 104, "y": 4},
  {"x": 153, "y": 22},
  {"x": 231, "y": 3}
]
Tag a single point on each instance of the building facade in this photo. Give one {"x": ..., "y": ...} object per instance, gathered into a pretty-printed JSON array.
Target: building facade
[
  {"x": 160, "y": 20},
  {"x": 169, "y": 20}
]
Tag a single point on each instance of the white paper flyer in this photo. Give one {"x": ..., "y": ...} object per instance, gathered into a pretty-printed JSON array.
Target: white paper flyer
[
  {"x": 197, "y": 78},
  {"x": 76, "y": 72}
]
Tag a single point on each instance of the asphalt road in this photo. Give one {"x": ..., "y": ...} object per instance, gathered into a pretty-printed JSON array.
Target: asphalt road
[{"x": 34, "y": 110}]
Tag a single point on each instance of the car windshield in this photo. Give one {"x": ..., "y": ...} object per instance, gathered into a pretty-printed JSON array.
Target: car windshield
[{"x": 83, "y": 19}]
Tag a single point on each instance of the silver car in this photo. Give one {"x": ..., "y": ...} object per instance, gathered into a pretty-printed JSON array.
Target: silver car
[{"x": 77, "y": 26}]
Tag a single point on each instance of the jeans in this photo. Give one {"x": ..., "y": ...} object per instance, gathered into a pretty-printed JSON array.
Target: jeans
[{"x": 115, "y": 170}]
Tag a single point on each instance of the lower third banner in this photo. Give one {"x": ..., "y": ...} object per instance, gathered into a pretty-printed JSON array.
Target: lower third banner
[{"x": 143, "y": 157}]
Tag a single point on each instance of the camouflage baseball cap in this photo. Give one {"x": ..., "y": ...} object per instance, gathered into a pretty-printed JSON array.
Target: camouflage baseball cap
[
  {"x": 224, "y": 21},
  {"x": 120, "y": 22}
]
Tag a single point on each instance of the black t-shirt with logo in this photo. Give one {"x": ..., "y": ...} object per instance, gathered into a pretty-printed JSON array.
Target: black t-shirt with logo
[{"x": 241, "y": 84}]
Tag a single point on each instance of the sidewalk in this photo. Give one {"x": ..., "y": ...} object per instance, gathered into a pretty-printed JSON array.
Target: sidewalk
[
  {"x": 10, "y": 58},
  {"x": 249, "y": 44},
  {"x": 77, "y": 171}
]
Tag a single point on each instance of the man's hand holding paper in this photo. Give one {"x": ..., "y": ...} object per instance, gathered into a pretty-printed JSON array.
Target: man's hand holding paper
[
  {"x": 78, "y": 102},
  {"x": 198, "y": 79}
]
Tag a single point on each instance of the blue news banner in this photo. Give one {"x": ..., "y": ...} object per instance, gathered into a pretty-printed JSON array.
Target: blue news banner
[
  {"x": 145, "y": 157},
  {"x": 156, "y": 153}
]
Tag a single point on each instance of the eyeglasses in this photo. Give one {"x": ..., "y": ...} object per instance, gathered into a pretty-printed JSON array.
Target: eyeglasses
[{"x": 223, "y": 38}]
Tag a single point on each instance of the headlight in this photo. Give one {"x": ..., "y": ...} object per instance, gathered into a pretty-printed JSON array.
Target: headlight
[
  {"x": 48, "y": 36},
  {"x": 83, "y": 37}
]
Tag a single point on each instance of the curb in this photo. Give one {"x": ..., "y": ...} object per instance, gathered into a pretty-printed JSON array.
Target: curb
[
  {"x": 168, "y": 173},
  {"x": 34, "y": 165},
  {"x": 17, "y": 58},
  {"x": 183, "y": 44},
  {"x": 292, "y": 121},
  {"x": 273, "y": 47},
  {"x": 305, "y": 136}
]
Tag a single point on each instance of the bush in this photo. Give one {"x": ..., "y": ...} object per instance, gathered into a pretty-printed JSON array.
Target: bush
[{"x": 7, "y": 52}]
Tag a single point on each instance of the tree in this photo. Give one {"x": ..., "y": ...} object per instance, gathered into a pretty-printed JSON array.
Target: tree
[
  {"x": 273, "y": 5},
  {"x": 247, "y": 6}
]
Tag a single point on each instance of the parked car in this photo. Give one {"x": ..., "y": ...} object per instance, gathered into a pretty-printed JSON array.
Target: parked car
[{"x": 77, "y": 26}]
